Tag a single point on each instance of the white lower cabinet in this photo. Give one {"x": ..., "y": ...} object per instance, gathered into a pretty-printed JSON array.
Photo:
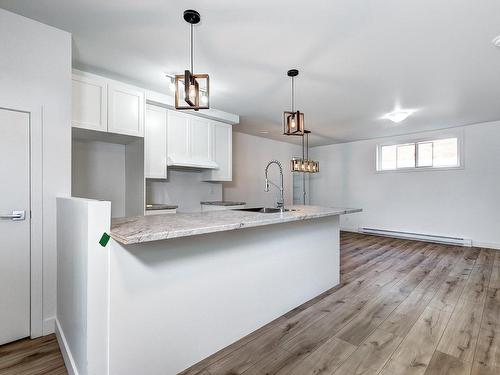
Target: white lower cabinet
[
  {"x": 222, "y": 153},
  {"x": 155, "y": 142}
]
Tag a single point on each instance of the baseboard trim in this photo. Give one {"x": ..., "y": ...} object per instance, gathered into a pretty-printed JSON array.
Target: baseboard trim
[
  {"x": 66, "y": 352},
  {"x": 486, "y": 245}
]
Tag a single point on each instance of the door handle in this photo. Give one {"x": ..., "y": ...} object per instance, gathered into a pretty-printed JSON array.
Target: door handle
[{"x": 15, "y": 216}]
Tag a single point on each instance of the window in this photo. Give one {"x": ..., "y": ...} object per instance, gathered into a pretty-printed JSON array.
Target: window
[{"x": 438, "y": 153}]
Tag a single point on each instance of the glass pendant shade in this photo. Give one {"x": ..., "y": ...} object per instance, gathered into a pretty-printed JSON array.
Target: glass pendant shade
[
  {"x": 196, "y": 94},
  {"x": 293, "y": 123}
]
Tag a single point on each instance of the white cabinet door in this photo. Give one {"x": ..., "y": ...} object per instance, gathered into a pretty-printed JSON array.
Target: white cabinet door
[
  {"x": 155, "y": 142},
  {"x": 201, "y": 141},
  {"x": 222, "y": 153},
  {"x": 178, "y": 138},
  {"x": 89, "y": 103},
  {"x": 125, "y": 110}
]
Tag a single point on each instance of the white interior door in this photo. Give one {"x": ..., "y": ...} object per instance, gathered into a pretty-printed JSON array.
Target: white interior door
[{"x": 14, "y": 225}]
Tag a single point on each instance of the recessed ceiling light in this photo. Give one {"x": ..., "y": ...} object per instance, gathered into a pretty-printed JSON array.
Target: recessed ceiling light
[
  {"x": 398, "y": 115},
  {"x": 496, "y": 41}
]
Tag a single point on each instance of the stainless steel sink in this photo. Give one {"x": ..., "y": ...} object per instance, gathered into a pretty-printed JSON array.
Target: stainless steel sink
[{"x": 264, "y": 210}]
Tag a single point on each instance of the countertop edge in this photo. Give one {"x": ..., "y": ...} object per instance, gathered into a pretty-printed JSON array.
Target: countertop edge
[{"x": 166, "y": 235}]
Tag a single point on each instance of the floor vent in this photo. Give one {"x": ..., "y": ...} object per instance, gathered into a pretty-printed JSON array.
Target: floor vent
[{"x": 418, "y": 236}]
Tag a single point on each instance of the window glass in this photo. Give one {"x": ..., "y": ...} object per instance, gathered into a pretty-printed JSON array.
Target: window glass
[
  {"x": 405, "y": 156},
  {"x": 424, "y": 154},
  {"x": 445, "y": 153},
  {"x": 437, "y": 153},
  {"x": 388, "y": 157}
]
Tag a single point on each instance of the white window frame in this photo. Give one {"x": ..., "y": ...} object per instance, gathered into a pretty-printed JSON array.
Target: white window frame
[{"x": 459, "y": 135}]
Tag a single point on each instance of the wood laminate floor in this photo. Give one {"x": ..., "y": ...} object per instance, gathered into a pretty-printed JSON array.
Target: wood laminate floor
[
  {"x": 32, "y": 357},
  {"x": 403, "y": 307}
]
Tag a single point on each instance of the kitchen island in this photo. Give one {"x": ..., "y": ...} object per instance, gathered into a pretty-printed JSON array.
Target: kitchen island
[{"x": 170, "y": 290}]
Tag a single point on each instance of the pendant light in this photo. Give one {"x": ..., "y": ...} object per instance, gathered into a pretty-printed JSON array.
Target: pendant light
[
  {"x": 192, "y": 91},
  {"x": 293, "y": 121},
  {"x": 304, "y": 164}
]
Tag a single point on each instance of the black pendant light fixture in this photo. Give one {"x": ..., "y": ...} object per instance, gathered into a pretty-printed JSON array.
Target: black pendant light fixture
[
  {"x": 293, "y": 121},
  {"x": 192, "y": 91}
]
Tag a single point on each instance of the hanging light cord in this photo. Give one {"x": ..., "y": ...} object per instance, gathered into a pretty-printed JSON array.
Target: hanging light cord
[
  {"x": 307, "y": 146},
  {"x": 192, "y": 69},
  {"x": 303, "y": 152},
  {"x": 293, "y": 95}
]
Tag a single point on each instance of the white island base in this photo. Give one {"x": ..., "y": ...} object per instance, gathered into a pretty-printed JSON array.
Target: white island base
[{"x": 159, "y": 307}]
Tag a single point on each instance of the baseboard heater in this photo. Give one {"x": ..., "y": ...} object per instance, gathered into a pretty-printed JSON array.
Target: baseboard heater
[{"x": 418, "y": 236}]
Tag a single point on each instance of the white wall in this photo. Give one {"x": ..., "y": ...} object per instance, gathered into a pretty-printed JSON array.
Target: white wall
[
  {"x": 250, "y": 157},
  {"x": 183, "y": 188},
  {"x": 35, "y": 72},
  {"x": 461, "y": 202},
  {"x": 99, "y": 173},
  {"x": 82, "y": 300}
]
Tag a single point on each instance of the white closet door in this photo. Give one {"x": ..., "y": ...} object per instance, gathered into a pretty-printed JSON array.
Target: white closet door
[{"x": 14, "y": 225}]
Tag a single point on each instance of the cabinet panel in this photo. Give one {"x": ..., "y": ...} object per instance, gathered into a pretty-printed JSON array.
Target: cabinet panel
[
  {"x": 155, "y": 142},
  {"x": 201, "y": 140},
  {"x": 222, "y": 153},
  {"x": 89, "y": 103},
  {"x": 178, "y": 138},
  {"x": 125, "y": 110}
]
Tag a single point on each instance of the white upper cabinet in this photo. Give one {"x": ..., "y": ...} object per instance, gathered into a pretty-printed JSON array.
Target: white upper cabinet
[
  {"x": 178, "y": 138},
  {"x": 125, "y": 110},
  {"x": 172, "y": 138},
  {"x": 222, "y": 153},
  {"x": 190, "y": 141},
  {"x": 90, "y": 99},
  {"x": 106, "y": 105},
  {"x": 201, "y": 141},
  {"x": 155, "y": 142}
]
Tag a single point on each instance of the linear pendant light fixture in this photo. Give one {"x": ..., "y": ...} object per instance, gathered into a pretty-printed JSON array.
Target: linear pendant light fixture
[
  {"x": 293, "y": 121},
  {"x": 304, "y": 164},
  {"x": 192, "y": 91}
]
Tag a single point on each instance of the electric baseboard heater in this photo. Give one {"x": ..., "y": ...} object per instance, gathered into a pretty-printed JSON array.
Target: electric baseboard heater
[{"x": 418, "y": 236}]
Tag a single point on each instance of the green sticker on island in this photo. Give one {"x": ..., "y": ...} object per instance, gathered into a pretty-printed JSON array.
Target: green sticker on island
[{"x": 104, "y": 239}]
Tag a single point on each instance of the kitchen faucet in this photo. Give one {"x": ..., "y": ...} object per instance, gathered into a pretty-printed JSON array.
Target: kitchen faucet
[{"x": 281, "y": 202}]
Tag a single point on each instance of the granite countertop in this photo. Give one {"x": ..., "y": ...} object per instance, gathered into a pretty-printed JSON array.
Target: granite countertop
[
  {"x": 152, "y": 207},
  {"x": 138, "y": 229},
  {"x": 223, "y": 203}
]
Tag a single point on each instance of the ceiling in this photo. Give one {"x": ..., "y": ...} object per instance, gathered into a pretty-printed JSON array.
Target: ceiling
[{"x": 358, "y": 59}]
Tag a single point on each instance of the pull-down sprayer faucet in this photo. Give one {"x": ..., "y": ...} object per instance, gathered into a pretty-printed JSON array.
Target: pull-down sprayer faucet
[{"x": 281, "y": 202}]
